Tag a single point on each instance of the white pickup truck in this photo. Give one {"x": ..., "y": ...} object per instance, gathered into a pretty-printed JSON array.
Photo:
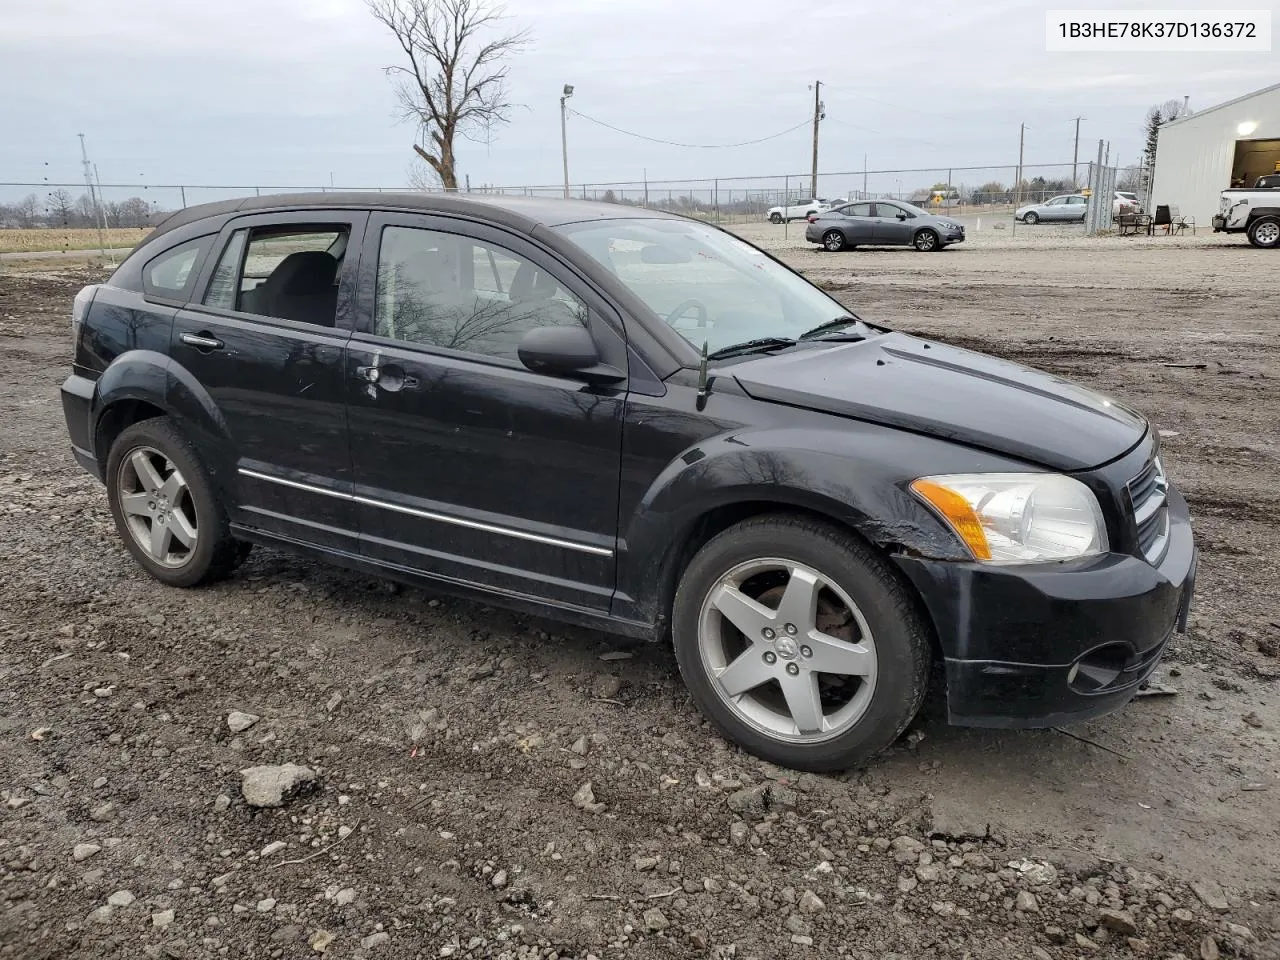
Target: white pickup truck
[{"x": 1253, "y": 211}]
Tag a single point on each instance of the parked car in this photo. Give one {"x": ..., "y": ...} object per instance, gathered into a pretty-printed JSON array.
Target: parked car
[
  {"x": 795, "y": 210},
  {"x": 1255, "y": 212},
  {"x": 639, "y": 423},
  {"x": 1125, "y": 203},
  {"x": 1065, "y": 208},
  {"x": 882, "y": 222}
]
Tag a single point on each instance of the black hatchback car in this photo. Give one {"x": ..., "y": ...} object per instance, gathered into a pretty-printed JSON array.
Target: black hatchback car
[{"x": 635, "y": 422}]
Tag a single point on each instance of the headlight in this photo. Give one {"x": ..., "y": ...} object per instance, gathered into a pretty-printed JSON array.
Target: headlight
[{"x": 1018, "y": 517}]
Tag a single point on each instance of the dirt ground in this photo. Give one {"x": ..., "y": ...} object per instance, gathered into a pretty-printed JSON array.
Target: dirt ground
[{"x": 451, "y": 741}]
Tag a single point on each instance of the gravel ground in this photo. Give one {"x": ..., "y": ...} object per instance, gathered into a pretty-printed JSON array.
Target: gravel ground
[{"x": 481, "y": 784}]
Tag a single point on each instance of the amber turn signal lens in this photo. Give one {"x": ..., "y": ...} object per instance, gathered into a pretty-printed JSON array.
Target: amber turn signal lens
[{"x": 955, "y": 509}]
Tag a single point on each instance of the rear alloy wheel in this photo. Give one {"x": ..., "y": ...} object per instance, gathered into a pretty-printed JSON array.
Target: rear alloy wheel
[
  {"x": 800, "y": 643},
  {"x": 833, "y": 240},
  {"x": 165, "y": 508},
  {"x": 926, "y": 241},
  {"x": 775, "y": 218},
  {"x": 1031, "y": 218},
  {"x": 1265, "y": 232}
]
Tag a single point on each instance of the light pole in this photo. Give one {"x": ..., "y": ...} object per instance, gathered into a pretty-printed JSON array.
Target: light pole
[{"x": 564, "y": 138}]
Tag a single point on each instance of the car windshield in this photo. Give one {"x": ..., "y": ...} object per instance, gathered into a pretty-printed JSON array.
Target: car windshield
[{"x": 706, "y": 284}]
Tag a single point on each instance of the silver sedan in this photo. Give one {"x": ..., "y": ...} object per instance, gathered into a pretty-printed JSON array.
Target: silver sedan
[
  {"x": 879, "y": 222},
  {"x": 1067, "y": 208}
]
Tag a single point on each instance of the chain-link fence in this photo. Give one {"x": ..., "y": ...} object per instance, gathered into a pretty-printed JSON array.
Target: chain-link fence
[{"x": 956, "y": 190}]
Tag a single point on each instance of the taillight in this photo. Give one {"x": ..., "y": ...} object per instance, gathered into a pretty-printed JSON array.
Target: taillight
[
  {"x": 813, "y": 217},
  {"x": 80, "y": 309}
]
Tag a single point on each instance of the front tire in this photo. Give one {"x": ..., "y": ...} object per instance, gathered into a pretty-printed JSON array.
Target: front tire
[
  {"x": 1265, "y": 233},
  {"x": 833, "y": 241},
  {"x": 800, "y": 643},
  {"x": 926, "y": 241},
  {"x": 165, "y": 508},
  {"x": 1031, "y": 218}
]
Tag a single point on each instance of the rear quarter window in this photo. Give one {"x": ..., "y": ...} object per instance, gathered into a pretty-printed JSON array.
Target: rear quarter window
[{"x": 172, "y": 274}]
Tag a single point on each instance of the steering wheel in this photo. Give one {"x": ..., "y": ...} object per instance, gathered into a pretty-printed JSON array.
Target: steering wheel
[{"x": 684, "y": 307}]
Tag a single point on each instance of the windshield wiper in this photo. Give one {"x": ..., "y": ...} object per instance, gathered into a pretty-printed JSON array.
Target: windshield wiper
[
  {"x": 751, "y": 346},
  {"x": 831, "y": 326}
]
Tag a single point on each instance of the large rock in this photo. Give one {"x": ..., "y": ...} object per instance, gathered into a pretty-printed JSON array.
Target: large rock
[{"x": 271, "y": 786}]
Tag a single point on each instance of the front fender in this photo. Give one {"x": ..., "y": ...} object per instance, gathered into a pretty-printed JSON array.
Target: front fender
[{"x": 828, "y": 472}]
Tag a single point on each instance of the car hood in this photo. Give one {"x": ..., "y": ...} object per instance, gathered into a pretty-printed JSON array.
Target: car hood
[{"x": 951, "y": 393}]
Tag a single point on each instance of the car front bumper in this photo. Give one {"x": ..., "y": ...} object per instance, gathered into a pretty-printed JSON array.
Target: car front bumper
[
  {"x": 1220, "y": 225},
  {"x": 1039, "y": 645},
  {"x": 956, "y": 236}
]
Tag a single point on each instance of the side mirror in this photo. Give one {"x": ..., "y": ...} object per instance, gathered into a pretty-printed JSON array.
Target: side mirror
[
  {"x": 902, "y": 216},
  {"x": 565, "y": 351}
]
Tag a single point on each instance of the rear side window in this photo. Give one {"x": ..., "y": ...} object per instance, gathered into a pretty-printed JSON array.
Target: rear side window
[
  {"x": 857, "y": 210},
  {"x": 173, "y": 273},
  {"x": 286, "y": 272}
]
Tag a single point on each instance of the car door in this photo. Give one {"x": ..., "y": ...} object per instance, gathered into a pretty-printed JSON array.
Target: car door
[
  {"x": 467, "y": 465},
  {"x": 263, "y": 340},
  {"x": 1077, "y": 207},
  {"x": 1055, "y": 209},
  {"x": 857, "y": 223},
  {"x": 892, "y": 224}
]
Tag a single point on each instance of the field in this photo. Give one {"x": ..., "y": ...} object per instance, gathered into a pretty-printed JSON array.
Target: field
[
  {"x": 451, "y": 738},
  {"x": 41, "y": 239}
]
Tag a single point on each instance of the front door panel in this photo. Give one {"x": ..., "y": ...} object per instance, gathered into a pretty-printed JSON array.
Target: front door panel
[{"x": 466, "y": 464}]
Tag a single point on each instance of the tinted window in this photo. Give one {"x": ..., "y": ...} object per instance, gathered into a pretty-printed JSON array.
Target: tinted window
[
  {"x": 286, "y": 272},
  {"x": 444, "y": 290},
  {"x": 172, "y": 273},
  {"x": 889, "y": 210},
  {"x": 1077, "y": 201},
  {"x": 857, "y": 210},
  {"x": 1056, "y": 202}
]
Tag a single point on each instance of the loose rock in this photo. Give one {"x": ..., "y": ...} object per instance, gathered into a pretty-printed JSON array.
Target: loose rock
[
  {"x": 1026, "y": 902},
  {"x": 272, "y": 786},
  {"x": 239, "y": 722},
  {"x": 1211, "y": 895},
  {"x": 83, "y": 851},
  {"x": 655, "y": 920},
  {"x": 1120, "y": 921}
]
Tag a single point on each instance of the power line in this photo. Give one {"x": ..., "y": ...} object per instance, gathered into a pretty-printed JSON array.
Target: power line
[{"x": 697, "y": 146}]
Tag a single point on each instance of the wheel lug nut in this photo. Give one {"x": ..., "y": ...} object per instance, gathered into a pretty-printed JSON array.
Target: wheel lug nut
[
  {"x": 770, "y": 657},
  {"x": 767, "y": 633},
  {"x": 792, "y": 669},
  {"x": 790, "y": 628},
  {"x": 806, "y": 651}
]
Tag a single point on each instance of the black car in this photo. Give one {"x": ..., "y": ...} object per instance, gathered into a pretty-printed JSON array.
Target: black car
[{"x": 639, "y": 423}]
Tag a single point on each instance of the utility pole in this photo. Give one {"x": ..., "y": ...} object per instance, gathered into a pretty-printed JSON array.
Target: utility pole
[
  {"x": 817, "y": 118},
  {"x": 1022, "y": 139},
  {"x": 864, "y": 178},
  {"x": 564, "y": 137},
  {"x": 88, "y": 178},
  {"x": 1075, "y": 156}
]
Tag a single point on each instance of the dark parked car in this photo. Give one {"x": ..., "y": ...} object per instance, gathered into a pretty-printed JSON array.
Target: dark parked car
[
  {"x": 639, "y": 423},
  {"x": 882, "y": 222}
]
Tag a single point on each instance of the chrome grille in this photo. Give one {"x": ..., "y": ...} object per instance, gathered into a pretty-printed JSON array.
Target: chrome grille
[{"x": 1148, "y": 496}]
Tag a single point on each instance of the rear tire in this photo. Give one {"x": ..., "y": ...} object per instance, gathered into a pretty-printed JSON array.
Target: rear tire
[
  {"x": 165, "y": 508},
  {"x": 840, "y": 662},
  {"x": 833, "y": 241},
  {"x": 1264, "y": 233},
  {"x": 1031, "y": 218}
]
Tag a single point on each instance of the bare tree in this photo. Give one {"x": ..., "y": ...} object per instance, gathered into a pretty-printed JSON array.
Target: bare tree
[
  {"x": 455, "y": 81},
  {"x": 28, "y": 210},
  {"x": 134, "y": 212},
  {"x": 61, "y": 207},
  {"x": 1157, "y": 117},
  {"x": 86, "y": 212}
]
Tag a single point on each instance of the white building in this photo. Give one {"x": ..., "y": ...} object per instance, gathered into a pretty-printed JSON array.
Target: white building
[{"x": 1233, "y": 143}]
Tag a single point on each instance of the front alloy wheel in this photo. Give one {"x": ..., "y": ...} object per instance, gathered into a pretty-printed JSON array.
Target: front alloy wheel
[
  {"x": 787, "y": 650},
  {"x": 800, "y": 642},
  {"x": 1265, "y": 232},
  {"x": 926, "y": 240}
]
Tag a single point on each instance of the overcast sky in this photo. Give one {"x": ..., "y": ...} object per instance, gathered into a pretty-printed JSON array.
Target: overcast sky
[{"x": 292, "y": 91}]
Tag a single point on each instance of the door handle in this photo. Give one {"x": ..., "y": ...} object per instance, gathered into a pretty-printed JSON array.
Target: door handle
[
  {"x": 202, "y": 341},
  {"x": 390, "y": 377}
]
